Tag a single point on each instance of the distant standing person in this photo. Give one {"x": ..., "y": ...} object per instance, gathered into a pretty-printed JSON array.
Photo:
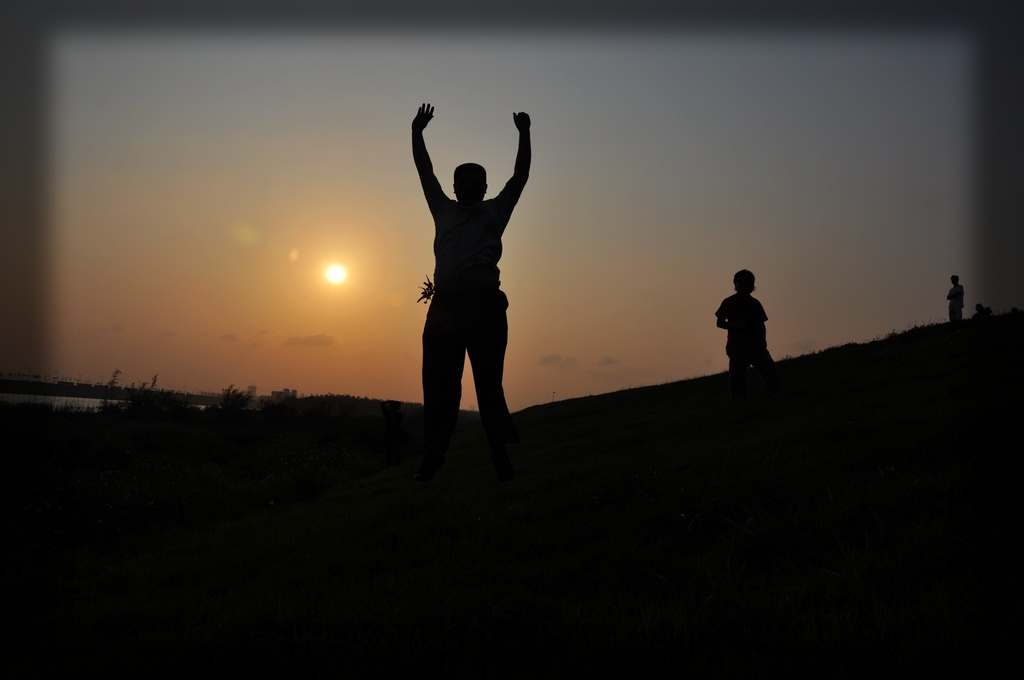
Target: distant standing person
[
  {"x": 746, "y": 344},
  {"x": 956, "y": 299},
  {"x": 467, "y": 311}
]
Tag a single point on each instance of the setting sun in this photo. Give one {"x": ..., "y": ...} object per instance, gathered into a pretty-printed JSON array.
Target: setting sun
[{"x": 335, "y": 274}]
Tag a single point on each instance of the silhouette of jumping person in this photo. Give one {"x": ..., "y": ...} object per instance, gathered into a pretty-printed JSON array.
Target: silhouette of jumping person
[
  {"x": 467, "y": 313},
  {"x": 746, "y": 344},
  {"x": 956, "y": 299}
]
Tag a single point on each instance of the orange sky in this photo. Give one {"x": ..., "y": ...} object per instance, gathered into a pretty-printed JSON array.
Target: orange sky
[{"x": 201, "y": 186}]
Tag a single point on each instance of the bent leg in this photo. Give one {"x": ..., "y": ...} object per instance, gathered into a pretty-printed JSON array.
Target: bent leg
[{"x": 766, "y": 367}]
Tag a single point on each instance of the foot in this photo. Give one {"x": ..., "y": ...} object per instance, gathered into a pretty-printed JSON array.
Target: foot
[
  {"x": 502, "y": 466},
  {"x": 428, "y": 466}
]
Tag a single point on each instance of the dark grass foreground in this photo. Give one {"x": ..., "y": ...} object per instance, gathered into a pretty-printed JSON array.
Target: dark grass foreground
[{"x": 866, "y": 521}]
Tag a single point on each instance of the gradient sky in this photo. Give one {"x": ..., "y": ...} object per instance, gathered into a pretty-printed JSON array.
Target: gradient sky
[{"x": 201, "y": 183}]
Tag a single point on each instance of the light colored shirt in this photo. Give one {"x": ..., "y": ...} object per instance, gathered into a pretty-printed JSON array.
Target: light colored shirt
[{"x": 956, "y": 296}]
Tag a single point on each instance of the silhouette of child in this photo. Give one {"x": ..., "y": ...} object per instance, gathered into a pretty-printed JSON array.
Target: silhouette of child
[
  {"x": 746, "y": 344},
  {"x": 467, "y": 305}
]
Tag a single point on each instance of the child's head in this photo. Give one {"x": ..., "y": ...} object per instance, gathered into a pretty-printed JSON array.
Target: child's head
[
  {"x": 470, "y": 183},
  {"x": 743, "y": 281}
]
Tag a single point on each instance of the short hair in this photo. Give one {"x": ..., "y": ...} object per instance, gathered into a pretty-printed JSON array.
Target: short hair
[
  {"x": 744, "y": 281},
  {"x": 472, "y": 168},
  {"x": 955, "y": 279}
]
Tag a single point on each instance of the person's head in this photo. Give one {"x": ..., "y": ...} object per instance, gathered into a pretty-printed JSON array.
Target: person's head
[
  {"x": 470, "y": 183},
  {"x": 743, "y": 281},
  {"x": 955, "y": 279}
]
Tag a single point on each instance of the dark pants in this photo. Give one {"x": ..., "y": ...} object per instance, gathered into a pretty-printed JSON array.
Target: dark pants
[
  {"x": 472, "y": 322},
  {"x": 740, "y": 357}
]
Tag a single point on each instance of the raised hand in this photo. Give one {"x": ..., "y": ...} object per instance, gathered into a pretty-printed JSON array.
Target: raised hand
[
  {"x": 522, "y": 121},
  {"x": 423, "y": 116}
]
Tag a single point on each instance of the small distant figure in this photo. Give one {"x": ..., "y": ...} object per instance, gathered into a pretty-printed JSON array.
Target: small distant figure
[
  {"x": 467, "y": 313},
  {"x": 746, "y": 344},
  {"x": 981, "y": 311},
  {"x": 393, "y": 434},
  {"x": 956, "y": 299}
]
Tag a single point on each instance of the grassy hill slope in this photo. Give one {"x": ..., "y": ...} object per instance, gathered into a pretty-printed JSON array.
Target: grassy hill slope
[{"x": 860, "y": 521}]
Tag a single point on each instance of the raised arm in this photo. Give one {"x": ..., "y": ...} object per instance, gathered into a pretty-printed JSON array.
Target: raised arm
[
  {"x": 524, "y": 156},
  {"x": 424, "y": 167}
]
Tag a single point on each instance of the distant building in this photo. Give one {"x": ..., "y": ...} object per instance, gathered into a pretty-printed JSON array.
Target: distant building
[
  {"x": 251, "y": 390},
  {"x": 284, "y": 394}
]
